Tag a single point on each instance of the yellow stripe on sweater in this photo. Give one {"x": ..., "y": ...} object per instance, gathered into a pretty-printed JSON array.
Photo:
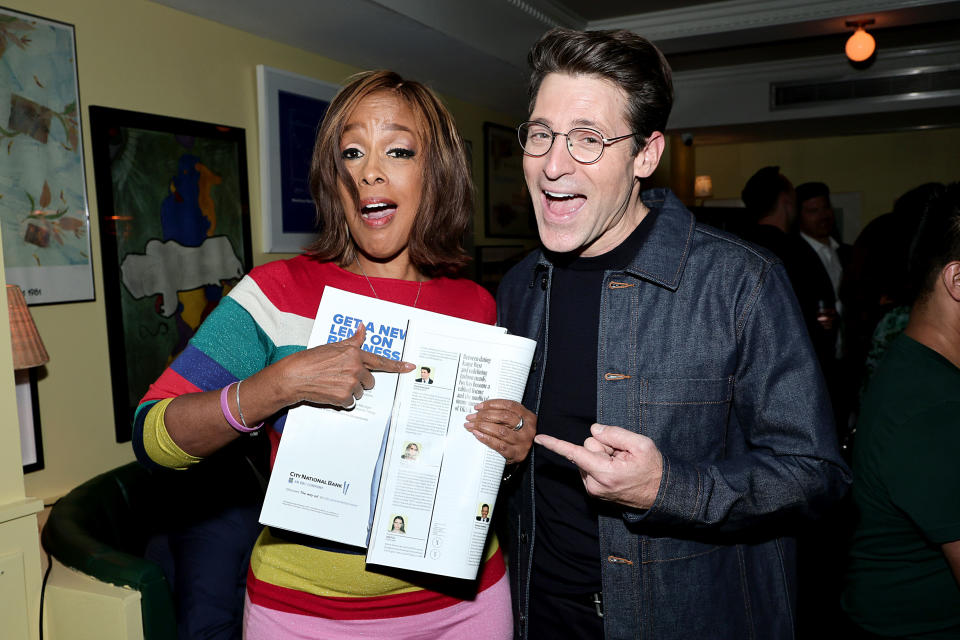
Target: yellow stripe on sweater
[
  {"x": 157, "y": 442},
  {"x": 328, "y": 573}
]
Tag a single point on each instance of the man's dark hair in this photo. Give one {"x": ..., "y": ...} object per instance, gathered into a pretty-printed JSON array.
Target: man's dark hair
[
  {"x": 937, "y": 242},
  {"x": 427, "y": 369},
  {"x": 809, "y": 190},
  {"x": 762, "y": 190},
  {"x": 633, "y": 64}
]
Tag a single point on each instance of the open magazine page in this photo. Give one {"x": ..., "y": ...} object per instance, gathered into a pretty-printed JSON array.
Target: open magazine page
[
  {"x": 326, "y": 475},
  {"x": 440, "y": 483}
]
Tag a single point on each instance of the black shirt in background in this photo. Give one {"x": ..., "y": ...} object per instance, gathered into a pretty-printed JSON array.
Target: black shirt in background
[{"x": 566, "y": 557}]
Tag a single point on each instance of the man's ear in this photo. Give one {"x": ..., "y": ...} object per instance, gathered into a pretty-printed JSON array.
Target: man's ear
[
  {"x": 950, "y": 277},
  {"x": 649, "y": 157}
]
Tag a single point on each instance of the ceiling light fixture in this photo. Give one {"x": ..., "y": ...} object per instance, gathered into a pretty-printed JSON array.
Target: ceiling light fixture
[{"x": 860, "y": 45}]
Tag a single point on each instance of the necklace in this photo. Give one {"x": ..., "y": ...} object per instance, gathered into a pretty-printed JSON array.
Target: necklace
[{"x": 370, "y": 284}]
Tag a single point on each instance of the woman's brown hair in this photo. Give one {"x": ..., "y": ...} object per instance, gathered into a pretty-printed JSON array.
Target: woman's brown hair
[{"x": 446, "y": 203}]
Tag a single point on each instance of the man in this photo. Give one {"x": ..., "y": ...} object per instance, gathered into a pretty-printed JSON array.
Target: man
[
  {"x": 817, "y": 271},
  {"x": 905, "y": 559},
  {"x": 424, "y": 376},
  {"x": 686, "y": 344},
  {"x": 484, "y": 513},
  {"x": 771, "y": 208}
]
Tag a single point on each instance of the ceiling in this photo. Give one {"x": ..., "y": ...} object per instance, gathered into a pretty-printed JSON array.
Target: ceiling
[{"x": 475, "y": 50}]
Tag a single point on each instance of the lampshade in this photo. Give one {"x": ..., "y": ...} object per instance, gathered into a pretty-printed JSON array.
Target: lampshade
[
  {"x": 703, "y": 187},
  {"x": 860, "y": 45},
  {"x": 28, "y": 349}
]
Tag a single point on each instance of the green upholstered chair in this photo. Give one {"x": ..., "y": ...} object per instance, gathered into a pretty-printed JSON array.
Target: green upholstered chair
[{"x": 102, "y": 527}]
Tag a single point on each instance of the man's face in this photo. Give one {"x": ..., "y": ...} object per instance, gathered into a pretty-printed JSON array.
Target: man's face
[
  {"x": 412, "y": 450},
  {"x": 484, "y": 511},
  {"x": 816, "y": 217},
  {"x": 583, "y": 207},
  {"x": 424, "y": 374}
]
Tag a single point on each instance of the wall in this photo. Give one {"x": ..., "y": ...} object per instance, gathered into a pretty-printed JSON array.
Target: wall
[
  {"x": 137, "y": 55},
  {"x": 880, "y": 166}
]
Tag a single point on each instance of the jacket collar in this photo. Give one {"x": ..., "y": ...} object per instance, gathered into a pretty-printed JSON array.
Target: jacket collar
[{"x": 666, "y": 248}]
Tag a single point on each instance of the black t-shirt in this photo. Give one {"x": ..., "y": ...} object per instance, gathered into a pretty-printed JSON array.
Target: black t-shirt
[{"x": 566, "y": 555}]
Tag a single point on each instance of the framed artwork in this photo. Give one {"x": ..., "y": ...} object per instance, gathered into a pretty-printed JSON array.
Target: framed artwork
[
  {"x": 291, "y": 108},
  {"x": 493, "y": 262},
  {"x": 174, "y": 215},
  {"x": 509, "y": 211},
  {"x": 43, "y": 192},
  {"x": 28, "y": 410}
]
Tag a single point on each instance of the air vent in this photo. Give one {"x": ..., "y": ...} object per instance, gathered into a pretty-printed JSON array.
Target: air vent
[{"x": 910, "y": 85}]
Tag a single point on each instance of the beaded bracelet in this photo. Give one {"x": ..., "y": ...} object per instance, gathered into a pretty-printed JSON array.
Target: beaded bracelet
[{"x": 225, "y": 408}]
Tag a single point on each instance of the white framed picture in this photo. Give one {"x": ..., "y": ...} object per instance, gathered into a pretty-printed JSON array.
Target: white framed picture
[{"x": 291, "y": 108}]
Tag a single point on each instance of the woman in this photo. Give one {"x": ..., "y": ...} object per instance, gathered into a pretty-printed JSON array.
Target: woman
[
  {"x": 398, "y": 525},
  {"x": 393, "y": 194}
]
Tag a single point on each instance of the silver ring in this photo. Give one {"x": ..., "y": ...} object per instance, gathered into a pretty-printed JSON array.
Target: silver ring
[
  {"x": 352, "y": 405},
  {"x": 519, "y": 425}
]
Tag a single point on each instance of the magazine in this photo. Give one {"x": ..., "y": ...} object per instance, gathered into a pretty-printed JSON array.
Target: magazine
[{"x": 398, "y": 473}]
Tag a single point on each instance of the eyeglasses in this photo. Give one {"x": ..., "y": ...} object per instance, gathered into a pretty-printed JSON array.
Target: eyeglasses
[{"x": 585, "y": 145}]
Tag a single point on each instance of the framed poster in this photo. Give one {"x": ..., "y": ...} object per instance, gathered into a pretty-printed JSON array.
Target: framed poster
[
  {"x": 291, "y": 108},
  {"x": 43, "y": 190},
  {"x": 493, "y": 262},
  {"x": 509, "y": 211},
  {"x": 174, "y": 216},
  {"x": 28, "y": 411}
]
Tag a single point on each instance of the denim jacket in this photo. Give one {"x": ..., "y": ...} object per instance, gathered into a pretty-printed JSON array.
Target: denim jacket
[{"x": 703, "y": 349}]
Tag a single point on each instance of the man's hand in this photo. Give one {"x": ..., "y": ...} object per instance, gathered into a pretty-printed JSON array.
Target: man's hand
[{"x": 615, "y": 464}]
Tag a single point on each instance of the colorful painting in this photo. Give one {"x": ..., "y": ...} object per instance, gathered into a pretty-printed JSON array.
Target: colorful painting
[
  {"x": 43, "y": 197},
  {"x": 175, "y": 234}
]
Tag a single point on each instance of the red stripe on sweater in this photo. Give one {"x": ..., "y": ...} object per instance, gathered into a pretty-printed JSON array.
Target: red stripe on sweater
[{"x": 168, "y": 385}]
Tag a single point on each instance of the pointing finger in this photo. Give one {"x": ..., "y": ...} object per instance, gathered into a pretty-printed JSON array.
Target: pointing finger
[
  {"x": 379, "y": 363},
  {"x": 586, "y": 460}
]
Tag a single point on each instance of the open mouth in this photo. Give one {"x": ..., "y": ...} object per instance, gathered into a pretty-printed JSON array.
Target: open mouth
[
  {"x": 377, "y": 211},
  {"x": 562, "y": 203}
]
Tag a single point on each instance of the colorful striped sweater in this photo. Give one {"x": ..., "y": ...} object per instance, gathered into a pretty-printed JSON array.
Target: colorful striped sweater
[{"x": 266, "y": 317}]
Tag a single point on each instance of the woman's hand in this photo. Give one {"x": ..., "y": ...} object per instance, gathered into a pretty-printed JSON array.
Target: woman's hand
[
  {"x": 495, "y": 425},
  {"x": 332, "y": 374}
]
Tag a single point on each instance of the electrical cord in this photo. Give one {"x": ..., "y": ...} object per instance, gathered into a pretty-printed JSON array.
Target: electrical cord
[
  {"x": 43, "y": 590},
  {"x": 46, "y": 576}
]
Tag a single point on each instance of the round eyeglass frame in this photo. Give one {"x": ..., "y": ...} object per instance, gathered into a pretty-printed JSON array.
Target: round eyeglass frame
[{"x": 553, "y": 136}]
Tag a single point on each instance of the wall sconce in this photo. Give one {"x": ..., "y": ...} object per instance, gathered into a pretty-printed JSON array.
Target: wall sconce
[
  {"x": 860, "y": 45},
  {"x": 703, "y": 187}
]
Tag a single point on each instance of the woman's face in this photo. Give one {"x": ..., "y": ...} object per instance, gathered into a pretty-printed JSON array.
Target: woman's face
[
  {"x": 397, "y": 524},
  {"x": 382, "y": 149}
]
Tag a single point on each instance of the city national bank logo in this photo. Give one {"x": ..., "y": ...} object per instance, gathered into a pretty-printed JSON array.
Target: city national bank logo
[{"x": 308, "y": 479}]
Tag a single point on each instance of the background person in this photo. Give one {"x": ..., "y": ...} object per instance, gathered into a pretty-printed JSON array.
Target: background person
[
  {"x": 393, "y": 193},
  {"x": 903, "y": 578},
  {"x": 771, "y": 206}
]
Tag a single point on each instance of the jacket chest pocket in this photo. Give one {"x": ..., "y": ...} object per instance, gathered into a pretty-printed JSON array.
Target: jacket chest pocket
[{"x": 686, "y": 417}]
